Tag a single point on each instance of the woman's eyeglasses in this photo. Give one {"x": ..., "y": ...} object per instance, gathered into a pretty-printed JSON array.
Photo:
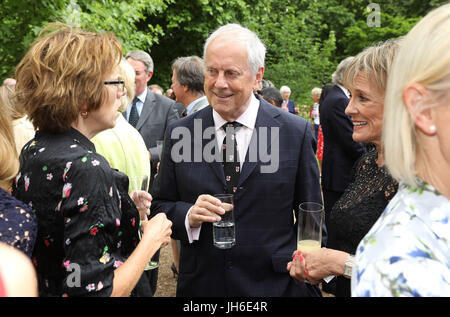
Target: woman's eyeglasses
[{"x": 119, "y": 83}]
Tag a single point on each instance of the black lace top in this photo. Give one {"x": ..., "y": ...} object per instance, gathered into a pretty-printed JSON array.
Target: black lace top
[
  {"x": 87, "y": 223},
  {"x": 364, "y": 200},
  {"x": 362, "y": 203},
  {"x": 18, "y": 226}
]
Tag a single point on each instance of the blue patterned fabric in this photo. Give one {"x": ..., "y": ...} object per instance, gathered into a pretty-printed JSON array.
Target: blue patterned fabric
[{"x": 407, "y": 251}]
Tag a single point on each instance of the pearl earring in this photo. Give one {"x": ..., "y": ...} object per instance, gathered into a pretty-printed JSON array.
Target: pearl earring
[{"x": 432, "y": 129}]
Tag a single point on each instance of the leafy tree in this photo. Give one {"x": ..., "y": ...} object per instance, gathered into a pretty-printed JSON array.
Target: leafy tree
[{"x": 20, "y": 23}]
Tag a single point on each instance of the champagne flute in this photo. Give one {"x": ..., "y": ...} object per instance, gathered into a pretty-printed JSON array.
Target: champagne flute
[
  {"x": 140, "y": 184},
  {"x": 310, "y": 220}
]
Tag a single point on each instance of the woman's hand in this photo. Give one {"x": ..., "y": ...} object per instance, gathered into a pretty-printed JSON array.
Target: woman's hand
[
  {"x": 315, "y": 265},
  {"x": 143, "y": 201},
  {"x": 157, "y": 229}
]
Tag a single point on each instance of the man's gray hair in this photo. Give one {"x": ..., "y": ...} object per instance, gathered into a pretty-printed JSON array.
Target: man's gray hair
[
  {"x": 143, "y": 57},
  {"x": 338, "y": 76},
  {"x": 190, "y": 72},
  {"x": 256, "y": 51}
]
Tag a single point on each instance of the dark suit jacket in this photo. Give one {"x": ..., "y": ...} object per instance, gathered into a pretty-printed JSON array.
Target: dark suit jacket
[
  {"x": 180, "y": 108},
  {"x": 158, "y": 111},
  {"x": 264, "y": 204},
  {"x": 340, "y": 151},
  {"x": 291, "y": 106}
]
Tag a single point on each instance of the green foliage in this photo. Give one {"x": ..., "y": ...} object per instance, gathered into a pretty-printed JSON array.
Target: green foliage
[{"x": 305, "y": 39}]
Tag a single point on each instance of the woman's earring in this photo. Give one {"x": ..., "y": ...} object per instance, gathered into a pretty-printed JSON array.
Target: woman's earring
[
  {"x": 84, "y": 114},
  {"x": 432, "y": 129}
]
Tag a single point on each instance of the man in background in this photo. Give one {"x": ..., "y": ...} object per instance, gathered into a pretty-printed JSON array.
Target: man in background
[
  {"x": 188, "y": 75},
  {"x": 150, "y": 114}
]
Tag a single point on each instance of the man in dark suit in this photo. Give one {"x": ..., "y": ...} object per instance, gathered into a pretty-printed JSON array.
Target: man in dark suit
[
  {"x": 150, "y": 114},
  {"x": 154, "y": 111},
  {"x": 340, "y": 151},
  {"x": 273, "y": 176}
]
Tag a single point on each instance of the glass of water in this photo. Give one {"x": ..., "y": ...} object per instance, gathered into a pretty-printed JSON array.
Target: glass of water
[{"x": 224, "y": 234}]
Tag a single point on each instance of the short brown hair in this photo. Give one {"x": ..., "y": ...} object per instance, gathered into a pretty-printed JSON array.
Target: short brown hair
[{"x": 62, "y": 73}]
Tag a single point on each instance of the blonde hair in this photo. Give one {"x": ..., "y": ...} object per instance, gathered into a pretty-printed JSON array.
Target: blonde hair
[
  {"x": 423, "y": 58},
  {"x": 8, "y": 155},
  {"x": 64, "y": 72},
  {"x": 7, "y": 99},
  {"x": 375, "y": 62},
  {"x": 128, "y": 75},
  {"x": 316, "y": 92}
]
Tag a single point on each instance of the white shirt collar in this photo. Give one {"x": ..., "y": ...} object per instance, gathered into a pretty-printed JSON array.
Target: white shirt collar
[
  {"x": 345, "y": 90},
  {"x": 142, "y": 96},
  {"x": 247, "y": 119}
]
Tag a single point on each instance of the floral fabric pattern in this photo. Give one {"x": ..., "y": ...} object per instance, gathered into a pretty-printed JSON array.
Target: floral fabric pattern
[
  {"x": 407, "y": 251},
  {"x": 18, "y": 226},
  {"x": 86, "y": 220}
]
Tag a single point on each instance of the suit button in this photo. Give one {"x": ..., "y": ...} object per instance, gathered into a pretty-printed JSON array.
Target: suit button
[{"x": 230, "y": 265}]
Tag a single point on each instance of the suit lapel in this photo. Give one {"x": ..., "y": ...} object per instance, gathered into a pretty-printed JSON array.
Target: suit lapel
[
  {"x": 147, "y": 109},
  {"x": 217, "y": 168},
  {"x": 265, "y": 119}
]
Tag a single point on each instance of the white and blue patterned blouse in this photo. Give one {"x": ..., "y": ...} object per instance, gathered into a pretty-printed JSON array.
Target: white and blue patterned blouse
[{"x": 407, "y": 251}]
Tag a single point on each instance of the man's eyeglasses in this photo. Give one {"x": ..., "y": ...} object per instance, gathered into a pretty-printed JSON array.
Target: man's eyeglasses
[{"x": 119, "y": 83}]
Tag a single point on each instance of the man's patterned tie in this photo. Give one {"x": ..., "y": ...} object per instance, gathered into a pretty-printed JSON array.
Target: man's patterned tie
[
  {"x": 231, "y": 166},
  {"x": 134, "y": 116}
]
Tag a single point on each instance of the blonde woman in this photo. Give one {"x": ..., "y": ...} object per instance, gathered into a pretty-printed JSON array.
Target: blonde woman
[
  {"x": 407, "y": 251},
  {"x": 22, "y": 127},
  {"x": 18, "y": 225},
  {"x": 371, "y": 187},
  {"x": 70, "y": 87}
]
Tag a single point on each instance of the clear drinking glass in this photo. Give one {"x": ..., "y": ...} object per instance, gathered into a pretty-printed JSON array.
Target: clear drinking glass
[
  {"x": 310, "y": 220},
  {"x": 159, "y": 146},
  {"x": 141, "y": 183},
  {"x": 224, "y": 234}
]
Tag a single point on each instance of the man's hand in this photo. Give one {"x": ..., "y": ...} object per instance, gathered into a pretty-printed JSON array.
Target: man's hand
[{"x": 206, "y": 209}]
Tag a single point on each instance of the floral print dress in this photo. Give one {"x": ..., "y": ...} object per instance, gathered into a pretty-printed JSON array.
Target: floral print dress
[
  {"x": 87, "y": 223},
  {"x": 407, "y": 251}
]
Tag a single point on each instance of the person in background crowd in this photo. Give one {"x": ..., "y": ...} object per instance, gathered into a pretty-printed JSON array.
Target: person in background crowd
[
  {"x": 188, "y": 75},
  {"x": 265, "y": 235},
  {"x": 272, "y": 95},
  {"x": 18, "y": 226},
  {"x": 287, "y": 105},
  {"x": 157, "y": 89},
  {"x": 22, "y": 127},
  {"x": 170, "y": 94},
  {"x": 315, "y": 115},
  {"x": 149, "y": 113},
  {"x": 87, "y": 222},
  {"x": 407, "y": 251},
  {"x": 371, "y": 186}
]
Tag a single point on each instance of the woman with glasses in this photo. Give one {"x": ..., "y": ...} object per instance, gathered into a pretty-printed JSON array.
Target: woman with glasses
[{"x": 87, "y": 245}]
